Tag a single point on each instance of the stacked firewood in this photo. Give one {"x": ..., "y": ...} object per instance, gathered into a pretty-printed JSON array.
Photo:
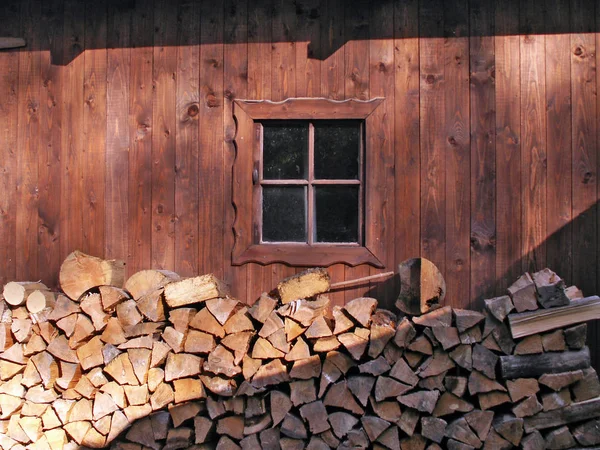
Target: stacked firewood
[{"x": 160, "y": 362}]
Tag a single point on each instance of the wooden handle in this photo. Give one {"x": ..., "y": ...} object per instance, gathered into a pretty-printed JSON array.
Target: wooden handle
[{"x": 360, "y": 280}]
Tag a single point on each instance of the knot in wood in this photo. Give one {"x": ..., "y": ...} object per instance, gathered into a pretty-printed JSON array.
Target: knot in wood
[
  {"x": 193, "y": 110},
  {"x": 578, "y": 51},
  {"x": 430, "y": 79}
]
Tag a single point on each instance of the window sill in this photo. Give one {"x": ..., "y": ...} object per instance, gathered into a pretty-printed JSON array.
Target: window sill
[{"x": 307, "y": 255}]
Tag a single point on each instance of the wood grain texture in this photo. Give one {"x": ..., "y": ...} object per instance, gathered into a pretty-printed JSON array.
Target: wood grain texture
[
  {"x": 432, "y": 136},
  {"x": 51, "y": 26},
  {"x": 211, "y": 168},
  {"x": 187, "y": 133},
  {"x": 457, "y": 147},
  {"x": 26, "y": 211},
  {"x": 356, "y": 85},
  {"x": 533, "y": 132},
  {"x": 332, "y": 86},
  {"x": 139, "y": 230},
  {"x": 379, "y": 191},
  {"x": 259, "y": 88},
  {"x": 508, "y": 145},
  {"x": 406, "y": 132},
  {"x": 94, "y": 134},
  {"x": 235, "y": 69},
  {"x": 9, "y": 107},
  {"x": 308, "y": 68},
  {"x": 558, "y": 97},
  {"x": 71, "y": 221},
  {"x": 118, "y": 133},
  {"x": 483, "y": 153}
]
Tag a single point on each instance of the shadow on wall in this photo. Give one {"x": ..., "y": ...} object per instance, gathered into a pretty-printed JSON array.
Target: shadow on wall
[{"x": 66, "y": 48}]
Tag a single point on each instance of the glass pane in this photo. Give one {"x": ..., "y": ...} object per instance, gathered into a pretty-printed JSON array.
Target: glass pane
[
  {"x": 284, "y": 214},
  {"x": 336, "y": 213},
  {"x": 337, "y": 146},
  {"x": 285, "y": 151}
]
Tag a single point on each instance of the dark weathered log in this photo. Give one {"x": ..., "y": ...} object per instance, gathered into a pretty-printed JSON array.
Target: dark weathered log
[
  {"x": 560, "y": 438},
  {"x": 509, "y": 427},
  {"x": 550, "y": 288},
  {"x": 575, "y": 336},
  {"x": 588, "y": 387},
  {"x": 575, "y": 412},
  {"x": 580, "y": 310},
  {"x": 588, "y": 433},
  {"x": 537, "y": 365}
]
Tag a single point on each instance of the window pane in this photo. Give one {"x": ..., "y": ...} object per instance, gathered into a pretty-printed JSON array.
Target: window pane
[
  {"x": 285, "y": 151},
  {"x": 336, "y": 213},
  {"x": 337, "y": 147},
  {"x": 284, "y": 214}
]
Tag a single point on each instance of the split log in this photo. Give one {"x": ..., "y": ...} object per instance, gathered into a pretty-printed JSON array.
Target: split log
[
  {"x": 580, "y": 310},
  {"x": 560, "y": 438},
  {"x": 16, "y": 292},
  {"x": 146, "y": 281},
  {"x": 422, "y": 287},
  {"x": 528, "y": 407},
  {"x": 588, "y": 433},
  {"x": 39, "y": 300},
  {"x": 80, "y": 272},
  {"x": 480, "y": 422},
  {"x": 303, "y": 285},
  {"x": 588, "y": 387},
  {"x": 576, "y": 412},
  {"x": 575, "y": 336},
  {"x": 499, "y": 306},
  {"x": 523, "y": 294},
  {"x": 437, "y": 318},
  {"x": 550, "y": 289},
  {"x": 194, "y": 290},
  {"x": 537, "y": 365},
  {"x": 509, "y": 427}
]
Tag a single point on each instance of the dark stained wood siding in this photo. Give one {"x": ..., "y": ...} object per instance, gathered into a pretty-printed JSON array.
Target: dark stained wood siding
[{"x": 117, "y": 138}]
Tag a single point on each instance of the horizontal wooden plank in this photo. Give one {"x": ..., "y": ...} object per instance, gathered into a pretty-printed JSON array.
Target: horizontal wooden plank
[{"x": 309, "y": 108}]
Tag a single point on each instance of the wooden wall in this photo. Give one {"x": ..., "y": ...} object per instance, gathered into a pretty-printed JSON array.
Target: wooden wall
[{"x": 116, "y": 132}]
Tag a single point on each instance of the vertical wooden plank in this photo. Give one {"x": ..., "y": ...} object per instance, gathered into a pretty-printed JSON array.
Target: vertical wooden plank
[
  {"x": 49, "y": 159},
  {"x": 117, "y": 133},
  {"x": 508, "y": 145},
  {"x": 483, "y": 153},
  {"x": 71, "y": 220},
  {"x": 594, "y": 331},
  {"x": 94, "y": 127},
  {"x": 457, "y": 147},
  {"x": 186, "y": 175},
  {"x": 283, "y": 79},
  {"x": 164, "y": 135},
  {"x": 432, "y": 136},
  {"x": 308, "y": 68},
  {"x": 28, "y": 144},
  {"x": 211, "y": 166},
  {"x": 585, "y": 154},
  {"x": 533, "y": 128},
  {"x": 585, "y": 157},
  {"x": 406, "y": 131},
  {"x": 380, "y": 141},
  {"x": 558, "y": 98},
  {"x": 9, "y": 114},
  {"x": 259, "y": 88},
  {"x": 356, "y": 85},
  {"x": 332, "y": 86},
  {"x": 139, "y": 211},
  {"x": 235, "y": 69}
]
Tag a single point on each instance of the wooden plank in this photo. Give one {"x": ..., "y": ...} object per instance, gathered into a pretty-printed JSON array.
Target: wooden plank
[
  {"x": 9, "y": 89},
  {"x": 483, "y": 153},
  {"x": 283, "y": 78},
  {"x": 211, "y": 168},
  {"x": 187, "y": 131},
  {"x": 508, "y": 145},
  {"x": 332, "y": 86},
  {"x": 235, "y": 69},
  {"x": 558, "y": 93},
  {"x": 585, "y": 159},
  {"x": 457, "y": 144},
  {"x": 50, "y": 27},
  {"x": 94, "y": 128},
  {"x": 533, "y": 129},
  {"x": 71, "y": 221},
  {"x": 118, "y": 133},
  {"x": 164, "y": 135},
  {"x": 380, "y": 193},
  {"x": 26, "y": 260},
  {"x": 308, "y": 68},
  {"x": 406, "y": 131},
  {"x": 593, "y": 331},
  {"x": 432, "y": 136},
  {"x": 356, "y": 85},
  {"x": 139, "y": 233},
  {"x": 259, "y": 88},
  {"x": 585, "y": 154}
]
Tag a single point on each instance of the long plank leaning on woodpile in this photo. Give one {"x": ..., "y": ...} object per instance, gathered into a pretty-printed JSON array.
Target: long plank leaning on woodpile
[{"x": 579, "y": 310}]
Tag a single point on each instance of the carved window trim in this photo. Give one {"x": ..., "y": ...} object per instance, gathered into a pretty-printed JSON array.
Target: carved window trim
[{"x": 247, "y": 248}]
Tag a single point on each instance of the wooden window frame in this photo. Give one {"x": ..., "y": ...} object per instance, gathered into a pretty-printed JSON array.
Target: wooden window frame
[{"x": 248, "y": 211}]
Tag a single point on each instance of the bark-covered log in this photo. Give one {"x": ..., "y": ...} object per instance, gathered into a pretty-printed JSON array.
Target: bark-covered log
[{"x": 537, "y": 365}]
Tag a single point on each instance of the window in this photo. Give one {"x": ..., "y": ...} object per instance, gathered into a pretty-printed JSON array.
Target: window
[{"x": 301, "y": 182}]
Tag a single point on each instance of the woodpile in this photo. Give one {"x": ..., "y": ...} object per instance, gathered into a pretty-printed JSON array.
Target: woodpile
[{"x": 160, "y": 362}]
